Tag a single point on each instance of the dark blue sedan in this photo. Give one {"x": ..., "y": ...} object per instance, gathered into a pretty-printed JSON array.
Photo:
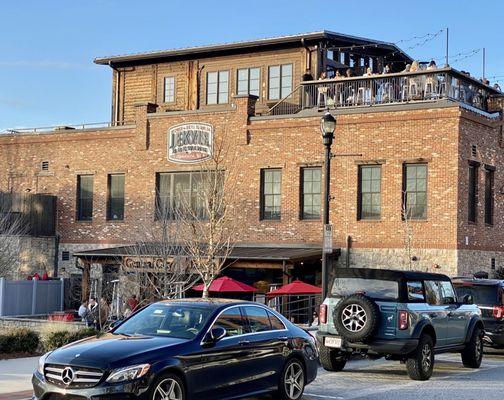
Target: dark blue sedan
[{"x": 184, "y": 349}]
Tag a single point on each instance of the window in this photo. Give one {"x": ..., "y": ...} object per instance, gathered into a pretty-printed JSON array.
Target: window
[
  {"x": 415, "y": 291},
  {"x": 377, "y": 289},
  {"x": 169, "y": 89},
  {"x": 310, "y": 192},
  {"x": 44, "y": 166},
  {"x": 65, "y": 256},
  {"x": 489, "y": 195},
  {"x": 258, "y": 319},
  {"x": 176, "y": 191},
  {"x": 217, "y": 87},
  {"x": 279, "y": 81},
  {"x": 415, "y": 191},
  {"x": 492, "y": 263},
  {"x": 84, "y": 197},
  {"x": 271, "y": 182},
  {"x": 369, "y": 191},
  {"x": 248, "y": 81},
  {"x": 276, "y": 324},
  {"x": 231, "y": 320},
  {"x": 472, "y": 192},
  {"x": 439, "y": 292},
  {"x": 433, "y": 292},
  {"x": 115, "y": 200}
]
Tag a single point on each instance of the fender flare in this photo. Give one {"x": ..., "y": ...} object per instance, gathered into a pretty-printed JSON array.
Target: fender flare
[
  {"x": 421, "y": 326},
  {"x": 475, "y": 322}
]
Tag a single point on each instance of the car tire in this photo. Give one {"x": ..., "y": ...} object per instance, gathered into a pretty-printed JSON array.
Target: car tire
[
  {"x": 472, "y": 355},
  {"x": 168, "y": 385},
  {"x": 420, "y": 363},
  {"x": 332, "y": 360},
  {"x": 292, "y": 381},
  {"x": 356, "y": 318}
]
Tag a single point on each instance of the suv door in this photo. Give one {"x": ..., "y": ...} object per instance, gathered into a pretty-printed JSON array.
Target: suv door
[
  {"x": 458, "y": 318},
  {"x": 436, "y": 311}
]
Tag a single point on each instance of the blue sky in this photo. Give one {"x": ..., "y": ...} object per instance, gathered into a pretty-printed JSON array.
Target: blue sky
[{"x": 47, "y": 76}]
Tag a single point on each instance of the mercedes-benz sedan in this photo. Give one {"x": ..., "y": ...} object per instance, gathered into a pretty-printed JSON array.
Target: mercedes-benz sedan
[{"x": 185, "y": 349}]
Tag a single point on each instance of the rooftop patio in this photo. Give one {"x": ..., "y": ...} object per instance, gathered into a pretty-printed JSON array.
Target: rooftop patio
[{"x": 388, "y": 89}]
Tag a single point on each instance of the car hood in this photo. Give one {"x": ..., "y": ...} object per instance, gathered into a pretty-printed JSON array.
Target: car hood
[{"x": 109, "y": 350}]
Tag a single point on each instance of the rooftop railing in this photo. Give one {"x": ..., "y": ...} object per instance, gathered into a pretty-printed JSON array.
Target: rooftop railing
[
  {"x": 384, "y": 89},
  {"x": 60, "y": 128}
]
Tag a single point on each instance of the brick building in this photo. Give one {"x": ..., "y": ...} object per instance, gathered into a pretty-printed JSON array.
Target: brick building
[{"x": 428, "y": 142}]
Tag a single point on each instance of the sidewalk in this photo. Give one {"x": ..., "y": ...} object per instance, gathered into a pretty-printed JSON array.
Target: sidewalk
[{"x": 15, "y": 378}]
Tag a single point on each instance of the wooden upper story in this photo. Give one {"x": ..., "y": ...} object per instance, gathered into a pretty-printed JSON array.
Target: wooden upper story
[{"x": 206, "y": 77}]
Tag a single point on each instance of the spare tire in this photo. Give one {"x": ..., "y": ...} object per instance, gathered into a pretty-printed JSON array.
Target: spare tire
[{"x": 356, "y": 318}]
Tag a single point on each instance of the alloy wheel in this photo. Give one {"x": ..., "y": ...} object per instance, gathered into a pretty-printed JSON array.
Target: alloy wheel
[
  {"x": 354, "y": 317},
  {"x": 168, "y": 389},
  {"x": 426, "y": 357},
  {"x": 294, "y": 381},
  {"x": 479, "y": 347}
]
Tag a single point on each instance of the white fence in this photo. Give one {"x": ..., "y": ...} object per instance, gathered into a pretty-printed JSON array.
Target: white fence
[{"x": 33, "y": 297}]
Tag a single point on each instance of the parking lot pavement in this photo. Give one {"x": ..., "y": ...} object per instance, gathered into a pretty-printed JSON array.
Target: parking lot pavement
[
  {"x": 361, "y": 379},
  {"x": 388, "y": 380}
]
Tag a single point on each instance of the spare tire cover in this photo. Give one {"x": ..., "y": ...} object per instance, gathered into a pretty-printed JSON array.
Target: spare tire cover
[{"x": 356, "y": 318}]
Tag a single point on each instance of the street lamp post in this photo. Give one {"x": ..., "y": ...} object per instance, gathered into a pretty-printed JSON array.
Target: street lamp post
[{"x": 327, "y": 127}]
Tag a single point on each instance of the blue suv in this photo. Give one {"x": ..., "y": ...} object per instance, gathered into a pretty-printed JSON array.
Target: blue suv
[{"x": 400, "y": 315}]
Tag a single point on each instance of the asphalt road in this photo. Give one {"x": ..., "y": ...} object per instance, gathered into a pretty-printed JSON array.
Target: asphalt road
[{"x": 361, "y": 379}]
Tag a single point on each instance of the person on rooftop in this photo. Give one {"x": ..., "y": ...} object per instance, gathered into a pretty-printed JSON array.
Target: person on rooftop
[
  {"x": 369, "y": 72},
  {"x": 432, "y": 65},
  {"x": 387, "y": 69},
  {"x": 407, "y": 68},
  {"x": 348, "y": 73},
  {"x": 415, "y": 66}
]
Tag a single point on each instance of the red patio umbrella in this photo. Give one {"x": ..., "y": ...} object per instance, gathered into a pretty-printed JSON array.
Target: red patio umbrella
[
  {"x": 295, "y": 288},
  {"x": 226, "y": 284}
]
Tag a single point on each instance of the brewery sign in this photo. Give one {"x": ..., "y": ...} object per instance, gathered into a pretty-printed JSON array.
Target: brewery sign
[{"x": 190, "y": 142}]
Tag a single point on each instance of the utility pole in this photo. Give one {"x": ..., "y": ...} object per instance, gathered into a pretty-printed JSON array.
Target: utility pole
[{"x": 447, "y": 46}]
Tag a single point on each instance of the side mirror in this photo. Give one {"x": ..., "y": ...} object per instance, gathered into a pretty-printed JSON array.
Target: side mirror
[
  {"x": 216, "y": 334},
  {"x": 468, "y": 299}
]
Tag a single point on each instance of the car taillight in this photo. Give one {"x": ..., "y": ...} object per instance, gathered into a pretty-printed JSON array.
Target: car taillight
[
  {"x": 403, "y": 320},
  {"x": 498, "y": 312},
  {"x": 323, "y": 314}
]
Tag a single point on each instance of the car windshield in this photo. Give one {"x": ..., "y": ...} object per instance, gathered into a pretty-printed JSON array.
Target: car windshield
[
  {"x": 169, "y": 320},
  {"x": 481, "y": 294},
  {"x": 375, "y": 288}
]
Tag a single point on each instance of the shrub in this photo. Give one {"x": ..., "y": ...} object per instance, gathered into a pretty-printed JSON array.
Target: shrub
[
  {"x": 499, "y": 273},
  {"x": 57, "y": 339},
  {"x": 20, "y": 340}
]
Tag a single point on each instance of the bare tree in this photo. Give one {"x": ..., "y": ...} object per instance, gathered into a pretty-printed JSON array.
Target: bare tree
[
  {"x": 157, "y": 262},
  {"x": 12, "y": 227},
  {"x": 207, "y": 218}
]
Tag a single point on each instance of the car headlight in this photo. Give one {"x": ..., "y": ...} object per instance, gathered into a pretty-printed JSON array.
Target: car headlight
[
  {"x": 128, "y": 373},
  {"x": 41, "y": 363}
]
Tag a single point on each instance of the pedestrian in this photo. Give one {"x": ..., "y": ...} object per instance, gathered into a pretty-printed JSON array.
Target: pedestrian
[
  {"x": 104, "y": 311},
  {"x": 92, "y": 314},
  {"x": 83, "y": 310},
  {"x": 133, "y": 303},
  {"x": 315, "y": 321}
]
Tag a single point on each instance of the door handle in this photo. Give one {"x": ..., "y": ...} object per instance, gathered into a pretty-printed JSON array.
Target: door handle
[
  {"x": 244, "y": 342},
  {"x": 283, "y": 338}
]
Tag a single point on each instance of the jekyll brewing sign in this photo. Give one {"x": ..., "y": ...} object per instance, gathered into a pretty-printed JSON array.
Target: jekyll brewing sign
[{"x": 190, "y": 142}]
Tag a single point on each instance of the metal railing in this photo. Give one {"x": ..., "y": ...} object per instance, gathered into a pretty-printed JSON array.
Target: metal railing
[
  {"x": 60, "y": 128},
  {"x": 289, "y": 104},
  {"x": 408, "y": 87}
]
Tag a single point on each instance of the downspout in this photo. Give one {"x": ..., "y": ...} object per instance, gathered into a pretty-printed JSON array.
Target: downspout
[
  {"x": 348, "y": 248},
  {"x": 115, "y": 108},
  {"x": 56, "y": 255}
]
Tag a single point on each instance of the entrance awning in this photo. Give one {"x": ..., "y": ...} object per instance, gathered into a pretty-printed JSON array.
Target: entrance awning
[{"x": 272, "y": 253}]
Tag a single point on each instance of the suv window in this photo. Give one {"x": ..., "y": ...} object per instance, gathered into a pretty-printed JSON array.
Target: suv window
[
  {"x": 258, "y": 319},
  {"x": 377, "y": 289},
  {"x": 415, "y": 291},
  {"x": 482, "y": 294},
  {"x": 439, "y": 293},
  {"x": 232, "y": 321},
  {"x": 433, "y": 292}
]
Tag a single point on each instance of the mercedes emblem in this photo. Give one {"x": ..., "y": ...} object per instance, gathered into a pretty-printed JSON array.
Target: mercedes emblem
[{"x": 68, "y": 375}]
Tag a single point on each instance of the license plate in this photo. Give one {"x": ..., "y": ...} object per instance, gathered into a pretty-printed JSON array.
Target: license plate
[{"x": 334, "y": 342}]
